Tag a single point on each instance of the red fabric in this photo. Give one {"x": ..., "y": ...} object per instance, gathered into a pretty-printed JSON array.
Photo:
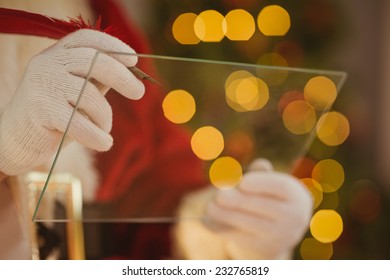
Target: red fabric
[
  {"x": 151, "y": 165},
  {"x": 150, "y": 154}
]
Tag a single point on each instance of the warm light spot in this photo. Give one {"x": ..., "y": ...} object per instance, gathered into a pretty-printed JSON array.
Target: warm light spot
[
  {"x": 315, "y": 189},
  {"x": 208, "y": 26},
  {"x": 320, "y": 92},
  {"x": 333, "y": 128},
  {"x": 244, "y": 92},
  {"x": 287, "y": 98},
  {"x": 326, "y": 226},
  {"x": 237, "y": 75},
  {"x": 330, "y": 174},
  {"x": 183, "y": 29},
  {"x": 225, "y": 172},
  {"x": 239, "y": 25},
  {"x": 207, "y": 142},
  {"x": 311, "y": 249},
  {"x": 274, "y": 76},
  {"x": 299, "y": 117},
  {"x": 179, "y": 106},
  {"x": 273, "y": 20}
]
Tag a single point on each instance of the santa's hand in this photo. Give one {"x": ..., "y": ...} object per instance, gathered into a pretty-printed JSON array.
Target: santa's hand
[
  {"x": 32, "y": 125},
  {"x": 264, "y": 217}
]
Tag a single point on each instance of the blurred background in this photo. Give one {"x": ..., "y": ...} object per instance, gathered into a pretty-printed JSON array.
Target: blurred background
[{"x": 348, "y": 172}]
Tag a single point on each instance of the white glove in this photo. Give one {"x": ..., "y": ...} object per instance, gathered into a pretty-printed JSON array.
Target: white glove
[
  {"x": 32, "y": 125},
  {"x": 264, "y": 217}
]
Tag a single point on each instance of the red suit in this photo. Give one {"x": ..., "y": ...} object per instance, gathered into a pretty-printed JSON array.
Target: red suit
[{"x": 149, "y": 154}]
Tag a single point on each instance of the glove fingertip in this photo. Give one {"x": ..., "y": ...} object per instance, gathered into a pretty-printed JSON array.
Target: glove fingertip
[
  {"x": 261, "y": 164},
  {"x": 104, "y": 144},
  {"x": 135, "y": 89}
]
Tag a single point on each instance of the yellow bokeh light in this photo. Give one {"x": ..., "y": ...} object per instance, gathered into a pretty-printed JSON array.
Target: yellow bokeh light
[
  {"x": 183, "y": 29},
  {"x": 287, "y": 98},
  {"x": 320, "y": 92},
  {"x": 239, "y": 25},
  {"x": 273, "y": 20},
  {"x": 237, "y": 75},
  {"x": 179, "y": 106},
  {"x": 315, "y": 189},
  {"x": 311, "y": 249},
  {"x": 330, "y": 174},
  {"x": 207, "y": 142},
  {"x": 225, "y": 172},
  {"x": 244, "y": 92},
  {"x": 208, "y": 26},
  {"x": 333, "y": 128},
  {"x": 299, "y": 117},
  {"x": 326, "y": 225},
  {"x": 275, "y": 76}
]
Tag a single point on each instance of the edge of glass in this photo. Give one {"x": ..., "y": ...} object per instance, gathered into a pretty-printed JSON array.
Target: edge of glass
[{"x": 343, "y": 76}]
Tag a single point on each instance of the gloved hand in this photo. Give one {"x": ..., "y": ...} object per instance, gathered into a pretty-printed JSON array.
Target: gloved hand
[
  {"x": 264, "y": 217},
  {"x": 32, "y": 125}
]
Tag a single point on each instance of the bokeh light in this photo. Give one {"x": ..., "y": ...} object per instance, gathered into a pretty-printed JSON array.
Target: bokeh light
[
  {"x": 276, "y": 76},
  {"x": 315, "y": 189},
  {"x": 287, "y": 98},
  {"x": 273, "y": 20},
  {"x": 311, "y": 249},
  {"x": 326, "y": 226},
  {"x": 320, "y": 92},
  {"x": 179, "y": 106},
  {"x": 299, "y": 117},
  {"x": 183, "y": 29},
  {"x": 207, "y": 142},
  {"x": 333, "y": 128},
  {"x": 208, "y": 26},
  {"x": 244, "y": 92},
  {"x": 239, "y": 25},
  {"x": 330, "y": 174},
  {"x": 225, "y": 172}
]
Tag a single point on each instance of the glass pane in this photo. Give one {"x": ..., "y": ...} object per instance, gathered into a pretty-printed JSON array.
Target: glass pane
[{"x": 199, "y": 120}]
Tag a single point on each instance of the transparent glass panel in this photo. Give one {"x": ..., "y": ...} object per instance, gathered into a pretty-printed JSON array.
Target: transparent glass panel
[{"x": 199, "y": 120}]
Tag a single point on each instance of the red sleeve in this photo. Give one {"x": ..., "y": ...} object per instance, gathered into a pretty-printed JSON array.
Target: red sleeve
[{"x": 151, "y": 165}]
